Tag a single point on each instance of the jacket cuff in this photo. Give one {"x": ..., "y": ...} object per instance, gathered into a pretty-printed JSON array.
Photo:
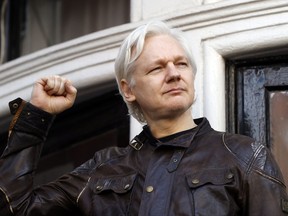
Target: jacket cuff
[{"x": 29, "y": 118}]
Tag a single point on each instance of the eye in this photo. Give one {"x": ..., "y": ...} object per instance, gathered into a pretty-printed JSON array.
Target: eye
[
  {"x": 182, "y": 64},
  {"x": 155, "y": 69}
]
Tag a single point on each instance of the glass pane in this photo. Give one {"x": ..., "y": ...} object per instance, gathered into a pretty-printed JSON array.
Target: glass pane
[
  {"x": 46, "y": 22},
  {"x": 279, "y": 129}
]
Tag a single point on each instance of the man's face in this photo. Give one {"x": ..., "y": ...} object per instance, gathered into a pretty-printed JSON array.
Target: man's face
[{"x": 163, "y": 79}]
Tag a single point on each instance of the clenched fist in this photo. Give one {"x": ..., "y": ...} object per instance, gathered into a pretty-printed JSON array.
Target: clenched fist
[{"x": 53, "y": 94}]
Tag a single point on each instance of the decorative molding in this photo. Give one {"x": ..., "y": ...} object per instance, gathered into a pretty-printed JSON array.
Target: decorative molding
[{"x": 246, "y": 44}]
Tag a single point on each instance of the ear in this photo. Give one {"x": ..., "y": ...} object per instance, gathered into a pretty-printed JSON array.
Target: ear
[{"x": 127, "y": 91}]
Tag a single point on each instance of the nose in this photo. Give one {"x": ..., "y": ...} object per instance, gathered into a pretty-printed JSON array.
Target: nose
[{"x": 172, "y": 73}]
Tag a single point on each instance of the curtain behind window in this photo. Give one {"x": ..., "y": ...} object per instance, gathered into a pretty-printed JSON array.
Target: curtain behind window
[{"x": 50, "y": 22}]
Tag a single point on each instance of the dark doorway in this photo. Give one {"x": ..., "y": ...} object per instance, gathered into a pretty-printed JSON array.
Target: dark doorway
[
  {"x": 78, "y": 133},
  {"x": 257, "y": 101}
]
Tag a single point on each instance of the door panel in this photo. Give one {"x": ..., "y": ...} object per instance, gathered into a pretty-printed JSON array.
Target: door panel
[{"x": 257, "y": 101}]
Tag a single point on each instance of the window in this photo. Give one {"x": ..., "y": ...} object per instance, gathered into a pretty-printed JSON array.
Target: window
[{"x": 31, "y": 25}]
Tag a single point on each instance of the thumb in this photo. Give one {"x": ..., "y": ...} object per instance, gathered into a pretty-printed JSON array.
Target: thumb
[{"x": 71, "y": 91}]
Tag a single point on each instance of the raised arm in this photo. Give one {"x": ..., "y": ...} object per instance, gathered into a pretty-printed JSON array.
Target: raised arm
[{"x": 19, "y": 160}]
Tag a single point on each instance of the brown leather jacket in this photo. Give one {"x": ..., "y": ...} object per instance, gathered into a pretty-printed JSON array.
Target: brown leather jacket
[{"x": 196, "y": 172}]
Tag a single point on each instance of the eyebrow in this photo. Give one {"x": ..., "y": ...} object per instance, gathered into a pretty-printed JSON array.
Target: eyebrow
[{"x": 176, "y": 58}]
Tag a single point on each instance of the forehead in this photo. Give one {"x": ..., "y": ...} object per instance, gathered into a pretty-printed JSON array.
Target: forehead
[{"x": 161, "y": 46}]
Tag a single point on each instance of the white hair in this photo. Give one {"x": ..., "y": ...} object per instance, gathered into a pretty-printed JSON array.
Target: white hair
[{"x": 131, "y": 49}]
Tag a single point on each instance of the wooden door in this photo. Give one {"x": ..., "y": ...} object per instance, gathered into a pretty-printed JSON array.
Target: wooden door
[{"x": 257, "y": 103}]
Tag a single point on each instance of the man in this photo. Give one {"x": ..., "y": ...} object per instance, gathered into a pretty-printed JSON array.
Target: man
[{"x": 175, "y": 166}]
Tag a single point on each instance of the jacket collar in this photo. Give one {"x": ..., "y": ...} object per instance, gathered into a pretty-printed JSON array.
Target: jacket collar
[{"x": 182, "y": 139}]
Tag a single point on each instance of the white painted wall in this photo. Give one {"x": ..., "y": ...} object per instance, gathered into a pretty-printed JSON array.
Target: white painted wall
[{"x": 217, "y": 30}]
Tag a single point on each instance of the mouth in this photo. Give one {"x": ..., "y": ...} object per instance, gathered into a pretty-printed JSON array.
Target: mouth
[{"x": 174, "y": 91}]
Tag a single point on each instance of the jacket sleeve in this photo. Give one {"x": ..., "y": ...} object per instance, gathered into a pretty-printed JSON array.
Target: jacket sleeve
[
  {"x": 265, "y": 188},
  {"x": 27, "y": 133}
]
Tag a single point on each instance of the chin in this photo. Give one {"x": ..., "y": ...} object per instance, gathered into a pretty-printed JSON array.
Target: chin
[
  {"x": 179, "y": 108},
  {"x": 180, "y": 104}
]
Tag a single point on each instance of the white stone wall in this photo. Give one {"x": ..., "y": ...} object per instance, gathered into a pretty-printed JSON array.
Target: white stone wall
[
  {"x": 147, "y": 9},
  {"x": 217, "y": 30}
]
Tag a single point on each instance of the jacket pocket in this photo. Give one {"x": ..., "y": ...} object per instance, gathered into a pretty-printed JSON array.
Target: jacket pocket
[
  {"x": 117, "y": 184},
  {"x": 210, "y": 177},
  {"x": 213, "y": 191}
]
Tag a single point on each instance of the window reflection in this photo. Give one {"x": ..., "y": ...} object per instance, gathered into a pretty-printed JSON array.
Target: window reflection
[{"x": 278, "y": 108}]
